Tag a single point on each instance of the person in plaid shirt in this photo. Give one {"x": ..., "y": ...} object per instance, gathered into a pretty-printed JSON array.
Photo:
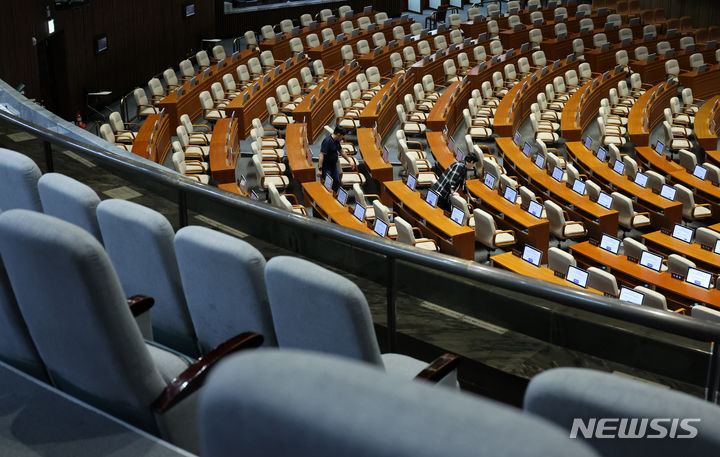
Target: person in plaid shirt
[{"x": 453, "y": 179}]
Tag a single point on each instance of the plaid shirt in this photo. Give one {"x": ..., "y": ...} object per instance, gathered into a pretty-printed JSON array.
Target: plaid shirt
[{"x": 451, "y": 180}]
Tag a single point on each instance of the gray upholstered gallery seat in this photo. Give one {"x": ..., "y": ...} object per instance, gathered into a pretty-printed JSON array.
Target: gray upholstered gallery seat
[
  {"x": 224, "y": 283},
  {"x": 339, "y": 407},
  {"x": 139, "y": 241},
  {"x": 563, "y": 394},
  {"x": 85, "y": 333},
  {"x": 18, "y": 181},
  {"x": 318, "y": 310},
  {"x": 70, "y": 200},
  {"x": 16, "y": 346}
]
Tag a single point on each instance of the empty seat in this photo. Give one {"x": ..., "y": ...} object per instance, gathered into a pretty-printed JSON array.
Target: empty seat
[
  {"x": 559, "y": 260},
  {"x": 70, "y": 200},
  {"x": 406, "y": 234},
  {"x": 603, "y": 281},
  {"x": 560, "y": 225},
  {"x": 679, "y": 265},
  {"x": 487, "y": 233},
  {"x": 19, "y": 177},
  {"x": 691, "y": 210},
  {"x": 628, "y": 217}
]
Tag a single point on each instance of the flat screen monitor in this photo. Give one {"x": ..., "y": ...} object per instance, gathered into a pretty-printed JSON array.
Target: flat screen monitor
[
  {"x": 631, "y": 296},
  {"x": 682, "y": 233},
  {"x": 668, "y": 192},
  {"x": 380, "y": 227},
  {"x": 516, "y": 139},
  {"x": 716, "y": 250},
  {"x": 254, "y": 196},
  {"x": 605, "y": 200},
  {"x": 540, "y": 161},
  {"x": 489, "y": 180},
  {"x": 579, "y": 187},
  {"x": 535, "y": 209},
  {"x": 577, "y": 276},
  {"x": 557, "y": 174},
  {"x": 659, "y": 147},
  {"x": 457, "y": 215},
  {"x": 641, "y": 180},
  {"x": 588, "y": 142},
  {"x": 526, "y": 149},
  {"x": 342, "y": 196},
  {"x": 327, "y": 183},
  {"x": 190, "y": 10},
  {"x": 699, "y": 278},
  {"x": 651, "y": 260},
  {"x": 610, "y": 244},
  {"x": 532, "y": 255},
  {"x": 432, "y": 198},
  {"x": 411, "y": 181},
  {"x": 242, "y": 184},
  {"x": 699, "y": 172},
  {"x": 510, "y": 194},
  {"x": 601, "y": 154},
  {"x": 618, "y": 167},
  {"x": 359, "y": 212}
]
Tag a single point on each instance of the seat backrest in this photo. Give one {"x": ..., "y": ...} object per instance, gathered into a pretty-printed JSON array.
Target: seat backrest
[
  {"x": 587, "y": 25},
  {"x": 170, "y": 77},
  {"x": 560, "y": 29},
  {"x": 404, "y": 231},
  {"x": 243, "y": 74},
  {"x": 559, "y": 260},
  {"x": 202, "y": 58},
  {"x": 224, "y": 283},
  {"x": 363, "y": 47},
  {"x": 296, "y": 45},
  {"x": 139, "y": 241},
  {"x": 456, "y": 36},
  {"x": 633, "y": 247},
  {"x": 599, "y": 39},
  {"x": 679, "y": 264},
  {"x": 538, "y": 58},
  {"x": 440, "y": 42},
  {"x": 602, "y": 281},
  {"x": 316, "y": 309},
  {"x": 472, "y": 13},
  {"x": 327, "y": 34},
  {"x": 479, "y": 54},
  {"x": 706, "y": 236},
  {"x": 653, "y": 299},
  {"x": 305, "y": 19},
  {"x": 250, "y": 38},
  {"x": 672, "y": 67},
  {"x": 454, "y": 20},
  {"x": 492, "y": 25},
  {"x": 614, "y": 19},
  {"x": 555, "y": 216},
  {"x": 219, "y": 52},
  {"x": 286, "y": 25},
  {"x": 650, "y": 30},
  {"x": 423, "y": 48},
  {"x": 19, "y": 177},
  {"x": 686, "y": 42},
  {"x": 496, "y": 47},
  {"x": 536, "y": 36},
  {"x": 484, "y": 227},
  {"x": 398, "y": 32},
  {"x": 416, "y": 28},
  {"x": 705, "y": 313},
  {"x": 624, "y": 206},
  {"x": 93, "y": 350},
  {"x": 686, "y": 158},
  {"x": 364, "y": 22},
  {"x": 685, "y": 196},
  {"x": 381, "y": 17},
  {"x": 449, "y": 68},
  {"x": 70, "y": 200},
  {"x": 381, "y": 211},
  {"x": 267, "y": 32}
]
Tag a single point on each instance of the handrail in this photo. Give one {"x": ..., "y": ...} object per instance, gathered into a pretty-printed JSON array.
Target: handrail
[{"x": 656, "y": 319}]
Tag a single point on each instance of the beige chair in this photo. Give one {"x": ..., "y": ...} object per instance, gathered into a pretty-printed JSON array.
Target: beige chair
[
  {"x": 383, "y": 213},
  {"x": 440, "y": 42},
  {"x": 251, "y": 40},
  {"x": 363, "y": 48},
  {"x": 678, "y": 264},
  {"x": 197, "y": 151},
  {"x": 424, "y": 178},
  {"x": 171, "y": 80},
  {"x": 267, "y": 32},
  {"x": 381, "y": 17},
  {"x": 603, "y": 281},
  {"x": 691, "y": 210},
  {"x": 218, "y": 95},
  {"x": 277, "y": 119},
  {"x": 219, "y": 53},
  {"x": 361, "y": 198},
  {"x": 190, "y": 168},
  {"x": 378, "y": 39},
  {"x": 306, "y": 19},
  {"x": 559, "y": 260},
  {"x": 274, "y": 177},
  {"x": 408, "y": 126},
  {"x": 296, "y": 46},
  {"x": 705, "y": 313},
  {"x": 406, "y": 234},
  {"x": 121, "y": 129},
  {"x": 627, "y": 216},
  {"x": 203, "y": 60},
  {"x": 706, "y": 236},
  {"x": 487, "y": 233},
  {"x": 144, "y": 108},
  {"x": 654, "y": 299},
  {"x": 560, "y": 225},
  {"x": 106, "y": 133},
  {"x": 282, "y": 201},
  {"x": 210, "y": 112}
]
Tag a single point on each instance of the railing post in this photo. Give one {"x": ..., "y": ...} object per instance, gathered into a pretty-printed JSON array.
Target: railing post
[
  {"x": 713, "y": 374},
  {"x": 182, "y": 208},
  {"x": 391, "y": 314},
  {"x": 48, "y": 157}
]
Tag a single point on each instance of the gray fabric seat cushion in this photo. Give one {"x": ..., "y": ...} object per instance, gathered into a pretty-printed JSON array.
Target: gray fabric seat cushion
[{"x": 168, "y": 362}]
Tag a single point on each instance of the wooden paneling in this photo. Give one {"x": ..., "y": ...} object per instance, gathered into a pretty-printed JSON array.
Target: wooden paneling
[{"x": 703, "y": 13}]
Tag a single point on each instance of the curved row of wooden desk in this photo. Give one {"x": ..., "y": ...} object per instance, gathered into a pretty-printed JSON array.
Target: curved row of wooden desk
[
  {"x": 557, "y": 48},
  {"x": 707, "y": 124},
  {"x": 382, "y": 60},
  {"x": 281, "y": 47},
  {"x": 646, "y": 114},
  {"x": 380, "y": 109},
  {"x": 653, "y": 71},
  {"x": 628, "y": 273},
  {"x": 380, "y": 170},
  {"x": 325, "y": 206},
  {"x": 582, "y": 108},
  {"x": 597, "y": 220},
  {"x": 703, "y": 84},
  {"x": 663, "y": 212},
  {"x": 161, "y": 137},
  {"x": 604, "y": 60},
  {"x": 303, "y": 170},
  {"x": 666, "y": 245},
  {"x": 479, "y": 25}
]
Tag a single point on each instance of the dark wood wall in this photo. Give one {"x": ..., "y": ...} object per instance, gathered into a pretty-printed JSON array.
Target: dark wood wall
[
  {"x": 703, "y": 12},
  {"x": 144, "y": 38}
]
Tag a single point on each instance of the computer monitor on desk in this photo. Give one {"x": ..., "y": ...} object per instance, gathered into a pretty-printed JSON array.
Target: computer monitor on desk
[
  {"x": 457, "y": 215},
  {"x": 682, "y": 233},
  {"x": 631, "y": 296},
  {"x": 432, "y": 198},
  {"x": 604, "y": 200},
  {"x": 342, "y": 196},
  {"x": 411, "y": 181},
  {"x": 610, "y": 244},
  {"x": 641, "y": 179},
  {"x": 359, "y": 212},
  {"x": 651, "y": 260},
  {"x": 577, "y": 276},
  {"x": 668, "y": 192},
  {"x": 699, "y": 278},
  {"x": 532, "y": 255},
  {"x": 535, "y": 209},
  {"x": 380, "y": 228}
]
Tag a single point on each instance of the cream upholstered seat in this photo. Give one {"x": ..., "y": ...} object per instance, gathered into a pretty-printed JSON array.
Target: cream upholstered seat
[
  {"x": 277, "y": 118},
  {"x": 361, "y": 198},
  {"x": 251, "y": 40},
  {"x": 405, "y": 234},
  {"x": 279, "y": 180},
  {"x": 198, "y": 151},
  {"x": 282, "y": 201},
  {"x": 383, "y": 213},
  {"x": 627, "y": 216},
  {"x": 171, "y": 80},
  {"x": 203, "y": 60},
  {"x": 191, "y": 168},
  {"x": 560, "y": 226},
  {"x": 378, "y": 39},
  {"x": 603, "y": 281},
  {"x": 267, "y": 32},
  {"x": 559, "y": 260},
  {"x": 679, "y": 265},
  {"x": 306, "y": 19},
  {"x": 381, "y": 17},
  {"x": 144, "y": 108},
  {"x": 107, "y": 134},
  {"x": 654, "y": 299},
  {"x": 122, "y": 133},
  {"x": 691, "y": 210},
  {"x": 487, "y": 233}
]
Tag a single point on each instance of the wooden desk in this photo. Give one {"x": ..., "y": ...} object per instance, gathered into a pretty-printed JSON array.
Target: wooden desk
[
  {"x": 326, "y": 207},
  {"x": 666, "y": 245},
  {"x": 528, "y": 229},
  {"x": 453, "y": 239},
  {"x": 385, "y": 114},
  {"x": 572, "y": 125},
  {"x": 162, "y": 140},
  {"x": 382, "y": 60},
  {"x": 597, "y": 220},
  {"x": 296, "y": 147},
  {"x": 663, "y": 212},
  {"x": 707, "y": 136},
  {"x": 380, "y": 170},
  {"x": 322, "y": 113},
  {"x": 601, "y": 61},
  {"x": 189, "y": 102},
  {"x": 443, "y": 156},
  {"x": 255, "y": 106},
  {"x": 222, "y": 169},
  {"x": 555, "y": 49},
  {"x": 704, "y": 191},
  {"x": 704, "y": 84},
  {"x": 331, "y": 56},
  {"x": 434, "y": 66},
  {"x": 511, "y": 262},
  {"x": 474, "y": 28},
  {"x": 508, "y": 118},
  {"x": 281, "y": 48},
  {"x": 632, "y": 274},
  {"x": 644, "y": 115},
  {"x": 653, "y": 72},
  {"x": 512, "y": 39}
]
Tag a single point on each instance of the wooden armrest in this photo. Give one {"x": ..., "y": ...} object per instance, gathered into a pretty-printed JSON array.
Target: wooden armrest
[
  {"x": 417, "y": 231},
  {"x": 139, "y": 304},
  {"x": 703, "y": 205},
  {"x": 190, "y": 380},
  {"x": 439, "y": 368},
  {"x": 680, "y": 311},
  {"x": 202, "y": 136},
  {"x": 291, "y": 197},
  {"x": 375, "y": 196}
]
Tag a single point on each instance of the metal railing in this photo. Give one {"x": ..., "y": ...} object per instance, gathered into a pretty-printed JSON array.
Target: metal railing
[{"x": 184, "y": 189}]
